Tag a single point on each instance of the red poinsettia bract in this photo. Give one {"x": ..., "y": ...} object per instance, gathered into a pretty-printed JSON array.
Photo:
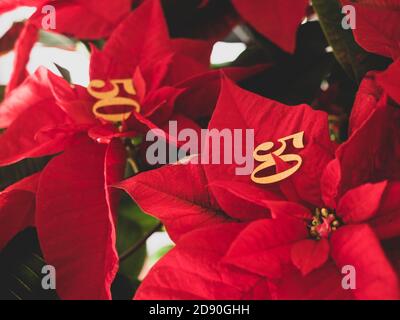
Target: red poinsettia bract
[
  {"x": 74, "y": 213},
  {"x": 289, "y": 240},
  {"x": 377, "y": 26},
  {"x": 277, "y": 20},
  {"x": 84, "y": 19}
]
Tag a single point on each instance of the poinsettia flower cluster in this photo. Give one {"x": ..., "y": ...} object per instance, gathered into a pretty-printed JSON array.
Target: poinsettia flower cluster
[
  {"x": 45, "y": 115},
  {"x": 289, "y": 240},
  {"x": 236, "y": 237}
]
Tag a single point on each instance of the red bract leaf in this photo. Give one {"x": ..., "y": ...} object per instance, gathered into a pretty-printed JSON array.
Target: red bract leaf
[
  {"x": 182, "y": 123},
  {"x": 240, "y": 109},
  {"x": 17, "y": 208},
  {"x": 308, "y": 255},
  {"x": 30, "y": 134},
  {"x": 179, "y": 207},
  {"x": 35, "y": 89},
  {"x": 330, "y": 183},
  {"x": 386, "y": 223},
  {"x": 8, "y": 40},
  {"x": 86, "y": 19},
  {"x": 192, "y": 271},
  {"x": 159, "y": 64},
  {"x": 284, "y": 210},
  {"x": 73, "y": 100},
  {"x": 23, "y": 47},
  {"x": 359, "y": 247},
  {"x": 161, "y": 67},
  {"x": 128, "y": 48},
  {"x": 202, "y": 91},
  {"x": 75, "y": 221},
  {"x": 352, "y": 210},
  {"x": 276, "y": 248},
  {"x": 323, "y": 283},
  {"x": 248, "y": 205},
  {"x": 367, "y": 99},
  {"x": 263, "y": 247},
  {"x": 389, "y": 81},
  {"x": 377, "y": 28},
  {"x": 277, "y": 20},
  {"x": 114, "y": 169},
  {"x": 366, "y": 157},
  {"x": 125, "y": 49},
  {"x": 162, "y": 104}
]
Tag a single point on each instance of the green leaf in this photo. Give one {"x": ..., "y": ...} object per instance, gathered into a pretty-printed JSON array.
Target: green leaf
[
  {"x": 51, "y": 39},
  {"x": 132, "y": 226},
  {"x": 64, "y": 73},
  {"x": 354, "y": 60},
  {"x": 21, "y": 266},
  {"x": 2, "y": 89},
  {"x": 128, "y": 233},
  {"x": 99, "y": 44},
  {"x": 131, "y": 211}
]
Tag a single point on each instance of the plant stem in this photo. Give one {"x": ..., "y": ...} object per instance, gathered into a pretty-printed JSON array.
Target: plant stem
[
  {"x": 354, "y": 60},
  {"x": 140, "y": 243}
]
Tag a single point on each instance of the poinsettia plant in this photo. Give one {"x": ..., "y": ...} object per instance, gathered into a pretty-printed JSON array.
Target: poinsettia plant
[{"x": 274, "y": 175}]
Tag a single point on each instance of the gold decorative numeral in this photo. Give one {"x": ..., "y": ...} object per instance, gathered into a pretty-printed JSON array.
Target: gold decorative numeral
[
  {"x": 268, "y": 160},
  {"x": 111, "y": 98}
]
